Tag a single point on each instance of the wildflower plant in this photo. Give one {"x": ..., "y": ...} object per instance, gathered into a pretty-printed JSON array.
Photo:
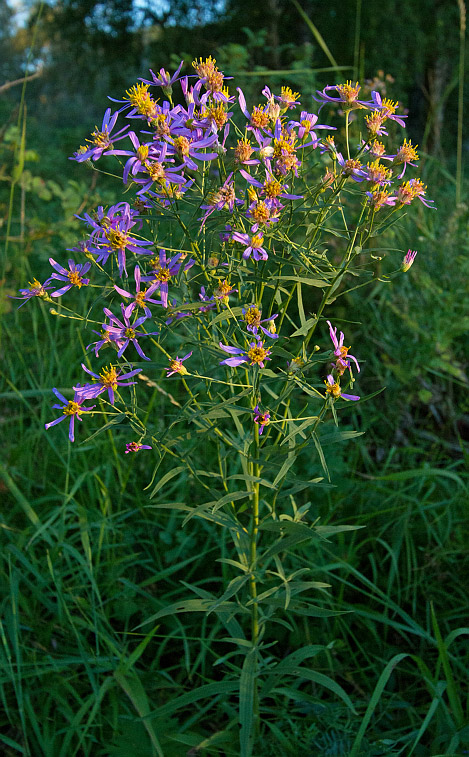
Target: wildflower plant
[{"x": 221, "y": 253}]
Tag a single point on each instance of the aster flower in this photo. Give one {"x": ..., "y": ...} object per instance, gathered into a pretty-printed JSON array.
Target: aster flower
[
  {"x": 135, "y": 447},
  {"x": 410, "y": 190},
  {"x": 333, "y": 390},
  {"x": 263, "y": 213},
  {"x": 164, "y": 80},
  {"x": 262, "y": 419},
  {"x": 253, "y": 245},
  {"x": 126, "y": 332},
  {"x": 73, "y": 277},
  {"x": 387, "y": 108},
  {"x": 271, "y": 189},
  {"x": 176, "y": 366},
  {"x": 252, "y": 318},
  {"x": 189, "y": 149},
  {"x": 377, "y": 174},
  {"x": 101, "y": 139},
  {"x": 306, "y": 127},
  {"x": 110, "y": 378},
  {"x": 158, "y": 173},
  {"x": 70, "y": 409},
  {"x": 379, "y": 198},
  {"x": 224, "y": 198},
  {"x": 111, "y": 234},
  {"x": 255, "y": 355},
  {"x": 347, "y": 96},
  {"x": 36, "y": 289},
  {"x": 138, "y": 157},
  {"x": 141, "y": 297},
  {"x": 223, "y": 290},
  {"x": 164, "y": 270},
  {"x": 209, "y": 300},
  {"x": 105, "y": 340},
  {"x": 341, "y": 352},
  {"x": 351, "y": 167},
  {"x": 408, "y": 260},
  {"x": 405, "y": 155}
]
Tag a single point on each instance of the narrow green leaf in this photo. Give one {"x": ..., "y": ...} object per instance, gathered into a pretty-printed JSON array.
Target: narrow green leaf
[
  {"x": 132, "y": 686},
  {"x": 247, "y": 685},
  {"x": 375, "y": 697},
  {"x": 189, "y": 605},
  {"x": 322, "y": 680},
  {"x": 167, "y": 477}
]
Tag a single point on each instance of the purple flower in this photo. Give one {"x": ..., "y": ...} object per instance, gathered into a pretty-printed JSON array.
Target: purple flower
[
  {"x": 252, "y": 317},
  {"x": 101, "y": 139},
  {"x": 70, "y": 409},
  {"x": 341, "y": 352},
  {"x": 387, "y": 108},
  {"x": 164, "y": 80},
  {"x": 210, "y": 300},
  {"x": 253, "y": 245},
  {"x": 176, "y": 366},
  {"x": 111, "y": 234},
  {"x": 135, "y": 447},
  {"x": 73, "y": 277},
  {"x": 126, "y": 332},
  {"x": 271, "y": 189},
  {"x": 36, "y": 289},
  {"x": 141, "y": 297},
  {"x": 410, "y": 190},
  {"x": 408, "y": 260},
  {"x": 307, "y": 126},
  {"x": 223, "y": 199},
  {"x": 263, "y": 419},
  {"x": 164, "y": 270},
  {"x": 351, "y": 167},
  {"x": 255, "y": 355},
  {"x": 110, "y": 378},
  {"x": 333, "y": 389},
  {"x": 105, "y": 339},
  {"x": 347, "y": 96}
]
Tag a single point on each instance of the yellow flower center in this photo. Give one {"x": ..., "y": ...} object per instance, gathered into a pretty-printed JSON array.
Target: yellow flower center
[
  {"x": 142, "y": 153},
  {"x": 272, "y": 188},
  {"x": 257, "y": 354},
  {"x": 109, "y": 377},
  {"x": 261, "y": 212},
  {"x": 117, "y": 239},
  {"x": 129, "y": 333},
  {"x": 259, "y": 118},
  {"x": 178, "y": 367},
  {"x": 161, "y": 274},
  {"x": 73, "y": 408},
  {"x": 155, "y": 170},
  {"x": 141, "y": 100},
  {"x": 252, "y": 316},
  {"x": 243, "y": 150},
  {"x": 333, "y": 390},
  {"x": 204, "y": 67},
  {"x": 182, "y": 146},
  {"x": 348, "y": 92},
  {"x": 101, "y": 138},
  {"x": 75, "y": 279},
  {"x": 140, "y": 298}
]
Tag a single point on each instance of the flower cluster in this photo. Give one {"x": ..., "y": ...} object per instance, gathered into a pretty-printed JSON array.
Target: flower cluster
[{"x": 211, "y": 217}]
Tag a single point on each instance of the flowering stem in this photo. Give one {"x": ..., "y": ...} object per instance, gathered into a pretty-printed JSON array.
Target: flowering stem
[
  {"x": 346, "y": 133},
  {"x": 252, "y": 560}
]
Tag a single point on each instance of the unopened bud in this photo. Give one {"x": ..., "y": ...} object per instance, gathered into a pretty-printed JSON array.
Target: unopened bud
[{"x": 408, "y": 260}]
